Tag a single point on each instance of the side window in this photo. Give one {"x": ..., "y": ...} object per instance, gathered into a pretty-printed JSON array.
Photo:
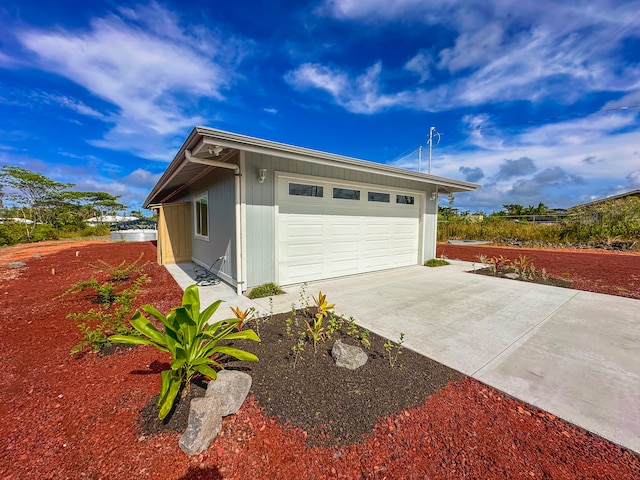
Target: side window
[
  {"x": 406, "y": 199},
  {"x": 202, "y": 216},
  {"x": 346, "y": 193},
  {"x": 305, "y": 190}
]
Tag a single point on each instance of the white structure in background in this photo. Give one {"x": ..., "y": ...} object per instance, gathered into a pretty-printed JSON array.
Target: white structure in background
[
  {"x": 109, "y": 219},
  {"x": 17, "y": 219}
]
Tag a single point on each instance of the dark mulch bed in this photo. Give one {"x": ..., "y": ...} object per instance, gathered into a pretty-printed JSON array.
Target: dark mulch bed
[
  {"x": 335, "y": 405},
  {"x": 531, "y": 278}
]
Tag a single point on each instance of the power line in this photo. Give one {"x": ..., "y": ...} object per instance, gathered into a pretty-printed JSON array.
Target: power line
[{"x": 541, "y": 120}]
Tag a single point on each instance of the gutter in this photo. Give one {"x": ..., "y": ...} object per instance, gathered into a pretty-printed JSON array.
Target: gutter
[{"x": 231, "y": 166}]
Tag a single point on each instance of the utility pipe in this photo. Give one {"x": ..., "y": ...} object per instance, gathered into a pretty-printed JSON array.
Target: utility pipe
[{"x": 236, "y": 169}]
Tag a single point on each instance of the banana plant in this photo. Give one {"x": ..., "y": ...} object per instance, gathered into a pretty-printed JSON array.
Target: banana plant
[{"x": 193, "y": 345}]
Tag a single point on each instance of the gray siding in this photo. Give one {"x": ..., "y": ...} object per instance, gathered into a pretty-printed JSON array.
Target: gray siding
[
  {"x": 220, "y": 188},
  {"x": 260, "y": 208}
]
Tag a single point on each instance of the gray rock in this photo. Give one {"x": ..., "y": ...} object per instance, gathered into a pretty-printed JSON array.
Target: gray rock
[
  {"x": 205, "y": 422},
  {"x": 232, "y": 388},
  {"x": 17, "y": 265},
  {"x": 348, "y": 356},
  {"x": 512, "y": 275}
]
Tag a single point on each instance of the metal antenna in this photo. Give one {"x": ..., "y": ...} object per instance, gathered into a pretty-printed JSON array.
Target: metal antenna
[
  {"x": 432, "y": 130},
  {"x": 419, "y": 158}
]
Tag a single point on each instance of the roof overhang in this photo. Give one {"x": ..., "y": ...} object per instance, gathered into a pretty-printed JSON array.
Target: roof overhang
[
  {"x": 209, "y": 143},
  {"x": 632, "y": 193}
]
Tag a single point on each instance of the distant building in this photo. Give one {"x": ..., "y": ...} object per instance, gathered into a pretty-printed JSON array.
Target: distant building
[
  {"x": 17, "y": 219},
  {"x": 108, "y": 220},
  {"x": 633, "y": 193}
]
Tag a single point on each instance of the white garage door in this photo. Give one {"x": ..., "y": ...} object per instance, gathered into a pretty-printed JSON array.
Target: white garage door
[{"x": 327, "y": 229}]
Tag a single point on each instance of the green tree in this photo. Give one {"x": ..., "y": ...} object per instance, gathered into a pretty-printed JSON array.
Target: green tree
[
  {"x": 36, "y": 198},
  {"x": 30, "y": 191}
]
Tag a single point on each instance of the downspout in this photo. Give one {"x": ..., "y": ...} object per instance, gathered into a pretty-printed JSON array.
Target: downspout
[
  {"x": 435, "y": 223},
  {"x": 236, "y": 169}
]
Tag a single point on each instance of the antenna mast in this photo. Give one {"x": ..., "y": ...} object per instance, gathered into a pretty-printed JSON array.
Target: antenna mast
[{"x": 432, "y": 131}]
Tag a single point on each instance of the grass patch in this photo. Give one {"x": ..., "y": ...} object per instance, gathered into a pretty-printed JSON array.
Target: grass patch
[
  {"x": 265, "y": 290},
  {"x": 436, "y": 262}
]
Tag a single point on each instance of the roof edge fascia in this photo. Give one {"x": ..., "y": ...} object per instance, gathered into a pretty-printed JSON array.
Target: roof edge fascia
[
  {"x": 257, "y": 145},
  {"x": 253, "y": 144}
]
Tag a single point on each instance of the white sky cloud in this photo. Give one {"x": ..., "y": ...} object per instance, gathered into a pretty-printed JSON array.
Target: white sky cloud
[
  {"x": 504, "y": 51},
  {"x": 421, "y": 64},
  {"x": 546, "y": 162},
  {"x": 153, "y": 71},
  {"x": 137, "y": 79},
  {"x": 360, "y": 94}
]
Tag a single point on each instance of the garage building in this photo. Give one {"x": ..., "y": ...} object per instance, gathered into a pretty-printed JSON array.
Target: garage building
[{"x": 260, "y": 211}]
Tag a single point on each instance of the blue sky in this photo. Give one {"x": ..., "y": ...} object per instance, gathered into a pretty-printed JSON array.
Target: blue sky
[{"x": 103, "y": 93}]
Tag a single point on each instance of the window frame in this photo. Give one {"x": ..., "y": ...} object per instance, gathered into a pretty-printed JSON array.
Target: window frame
[
  {"x": 314, "y": 189},
  {"x": 197, "y": 215}
]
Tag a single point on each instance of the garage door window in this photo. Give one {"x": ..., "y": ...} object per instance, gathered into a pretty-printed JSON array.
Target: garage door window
[
  {"x": 405, "y": 199},
  {"x": 305, "y": 190},
  {"x": 202, "y": 217},
  {"x": 379, "y": 197},
  {"x": 346, "y": 193}
]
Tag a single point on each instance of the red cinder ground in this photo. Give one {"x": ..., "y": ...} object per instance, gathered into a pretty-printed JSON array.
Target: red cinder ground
[
  {"x": 64, "y": 417},
  {"x": 600, "y": 271}
]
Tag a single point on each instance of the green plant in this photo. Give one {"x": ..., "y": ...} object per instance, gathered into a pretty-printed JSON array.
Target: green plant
[
  {"x": 524, "y": 267},
  {"x": 194, "y": 345},
  {"x": 105, "y": 292},
  {"x": 289, "y": 326},
  {"x": 122, "y": 271},
  {"x": 352, "y": 328},
  {"x": 304, "y": 299},
  {"x": 265, "y": 290},
  {"x": 97, "y": 325},
  {"x": 298, "y": 348},
  {"x": 334, "y": 323},
  {"x": 315, "y": 329},
  {"x": 394, "y": 349},
  {"x": 364, "y": 338},
  {"x": 435, "y": 262}
]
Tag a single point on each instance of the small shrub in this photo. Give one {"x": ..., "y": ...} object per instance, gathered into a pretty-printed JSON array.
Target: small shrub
[
  {"x": 105, "y": 292},
  {"x": 122, "y": 271},
  {"x": 436, "y": 262},
  {"x": 97, "y": 325},
  {"x": 265, "y": 290},
  {"x": 394, "y": 349},
  {"x": 193, "y": 345},
  {"x": 243, "y": 316}
]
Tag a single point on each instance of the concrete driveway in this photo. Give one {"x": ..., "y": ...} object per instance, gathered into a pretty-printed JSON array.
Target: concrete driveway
[{"x": 574, "y": 354}]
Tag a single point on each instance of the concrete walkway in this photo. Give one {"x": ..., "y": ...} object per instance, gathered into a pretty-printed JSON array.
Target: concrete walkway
[{"x": 574, "y": 354}]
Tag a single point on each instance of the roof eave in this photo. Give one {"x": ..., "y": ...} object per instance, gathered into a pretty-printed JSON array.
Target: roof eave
[{"x": 245, "y": 143}]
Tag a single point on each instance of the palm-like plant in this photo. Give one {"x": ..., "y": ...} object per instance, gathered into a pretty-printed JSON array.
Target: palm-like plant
[{"x": 192, "y": 343}]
